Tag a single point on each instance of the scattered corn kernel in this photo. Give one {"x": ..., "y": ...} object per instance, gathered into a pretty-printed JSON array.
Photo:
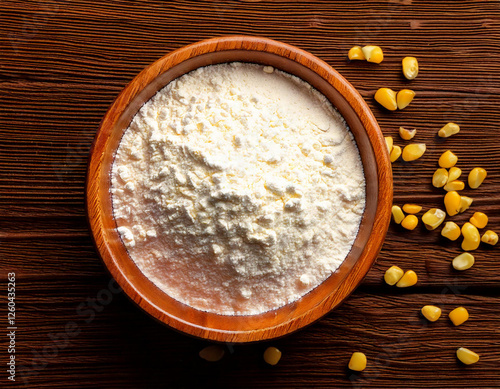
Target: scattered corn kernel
[
  {"x": 476, "y": 177},
  {"x": 409, "y": 279},
  {"x": 454, "y": 173},
  {"x": 356, "y": 53},
  {"x": 212, "y": 353},
  {"x": 431, "y": 312},
  {"x": 373, "y": 54},
  {"x": 412, "y": 208},
  {"x": 357, "y": 362},
  {"x": 395, "y": 153},
  {"x": 479, "y": 219},
  {"x": 433, "y": 218},
  {"x": 459, "y": 316},
  {"x": 404, "y": 98},
  {"x": 463, "y": 261},
  {"x": 386, "y": 98},
  {"x": 410, "y": 67},
  {"x": 393, "y": 275},
  {"x": 451, "y": 230},
  {"x": 413, "y": 151},
  {"x": 448, "y": 159},
  {"x": 410, "y": 222},
  {"x": 407, "y": 134},
  {"x": 452, "y": 202},
  {"x": 471, "y": 237},
  {"x": 465, "y": 203},
  {"x": 397, "y": 214},
  {"x": 390, "y": 143},
  {"x": 490, "y": 237},
  {"x": 448, "y": 130},
  {"x": 440, "y": 178},
  {"x": 454, "y": 185},
  {"x": 466, "y": 356},
  {"x": 272, "y": 355}
]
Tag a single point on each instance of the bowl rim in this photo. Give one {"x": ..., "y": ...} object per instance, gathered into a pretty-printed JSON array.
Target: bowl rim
[{"x": 97, "y": 182}]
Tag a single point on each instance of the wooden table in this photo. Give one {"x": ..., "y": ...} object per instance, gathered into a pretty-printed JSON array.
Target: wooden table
[{"x": 62, "y": 64}]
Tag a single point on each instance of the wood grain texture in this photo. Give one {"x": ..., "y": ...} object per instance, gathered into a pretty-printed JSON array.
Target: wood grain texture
[{"x": 62, "y": 65}]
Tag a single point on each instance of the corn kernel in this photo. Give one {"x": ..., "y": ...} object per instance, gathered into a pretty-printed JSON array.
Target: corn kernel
[
  {"x": 393, "y": 275},
  {"x": 431, "y": 312},
  {"x": 356, "y": 53},
  {"x": 413, "y": 151},
  {"x": 373, "y": 54},
  {"x": 454, "y": 173},
  {"x": 471, "y": 237},
  {"x": 476, "y": 177},
  {"x": 397, "y": 214},
  {"x": 412, "y": 208},
  {"x": 465, "y": 203},
  {"x": 395, "y": 153},
  {"x": 448, "y": 159},
  {"x": 404, "y": 98},
  {"x": 452, "y": 202},
  {"x": 410, "y": 67},
  {"x": 272, "y": 355},
  {"x": 410, "y": 222},
  {"x": 433, "y": 218},
  {"x": 454, "y": 185},
  {"x": 386, "y": 98},
  {"x": 466, "y": 356},
  {"x": 409, "y": 279},
  {"x": 490, "y": 237},
  {"x": 451, "y": 230},
  {"x": 212, "y": 353},
  {"x": 407, "y": 134},
  {"x": 479, "y": 219},
  {"x": 459, "y": 316},
  {"x": 448, "y": 130},
  {"x": 440, "y": 178},
  {"x": 463, "y": 261},
  {"x": 390, "y": 143},
  {"x": 357, "y": 362}
]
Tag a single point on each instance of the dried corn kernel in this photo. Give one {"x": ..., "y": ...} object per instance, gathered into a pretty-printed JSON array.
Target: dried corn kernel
[
  {"x": 463, "y": 261},
  {"x": 407, "y": 134},
  {"x": 272, "y": 355},
  {"x": 212, "y": 353},
  {"x": 413, "y": 151},
  {"x": 409, "y": 279},
  {"x": 373, "y": 54},
  {"x": 357, "y": 362},
  {"x": 386, "y": 98},
  {"x": 393, "y": 275},
  {"x": 454, "y": 185},
  {"x": 410, "y": 222},
  {"x": 412, "y": 208},
  {"x": 395, "y": 153},
  {"x": 454, "y": 173},
  {"x": 459, "y": 316},
  {"x": 431, "y": 312},
  {"x": 451, "y": 230},
  {"x": 433, "y": 218},
  {"x": 448, "y": 159},
  {"x": 452, "y": 202},
  {"x": 448, "y": 130},
  {"x": 440, "y": 178},
  {"x": 479, "y": 219},
  {"x": 404, "y": 98},
  {"x": 490, "y": 237},
  {"x": 389, "y": 142},
  {"x": 471, "y": 237},
  {"x": 356, "y": 53},
  {"x": 465, "y": 203},
  {"x": 410, "y": 67},
  {"x": 397, "y": 214},
  {"x": 466, "y": 356},
  {"x": 476, "y": 177}
]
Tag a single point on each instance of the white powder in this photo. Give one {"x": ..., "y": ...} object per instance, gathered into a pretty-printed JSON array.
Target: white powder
[{"x": 237, "y": 189}]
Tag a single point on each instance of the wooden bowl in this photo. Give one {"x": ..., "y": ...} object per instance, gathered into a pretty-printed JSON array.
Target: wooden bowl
[{"x": 316, "y": 303}]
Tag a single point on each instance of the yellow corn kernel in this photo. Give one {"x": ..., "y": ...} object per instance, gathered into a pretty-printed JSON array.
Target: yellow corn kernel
[
  {"x": 373, "y": 54},
  {"x": 395, "y": 153},
  {"x": 433, "y": 218},
  {"x": 212, "y": 353},
  {"x": 357, "y": 362},
  {"x": 466, "y": 356},
  {"x": 451, "y": 230},
  {"x": 272, "y": 355},
  {"x": 410, "y": 222},
  {"x": 490, "y": 237},
  {"x": 431, "y": 312},
  {"x": 409, "y": 279},
  {"x": 397, "y": 214},
  {"x": 412, "y": 208},
  {"x": 454, "y": 185},
  {"x": 459, "y": 316},
  {"x": 448, "y": 130},
  {"x": 413, "y": 151},
  {"x": 476, "y": 177},
  {"x": 407, "y": 134},
  {"x": 465, "y": 203},
  {"x": 440, "y": 178},
  {"x": 479, "y": 219},
  {"x": 463, "y": 261},
  {"x": 471, "y": 237},
  {"x": 404, "y": 98},
  {"x": 390, "y": 143},
  {"x": 410, "y": 67},
  {"x": 452, "y": 202},
  {"x": 448, "y": 159},
  {"x": 386, "y": 98},
  {"x": 356, "y": 53},
  {"x": 454, "y": 173},
  {"x": 393, "y": 275}
]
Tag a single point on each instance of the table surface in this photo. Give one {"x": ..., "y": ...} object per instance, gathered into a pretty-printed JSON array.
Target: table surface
[{"x": 63, "y": 63}]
